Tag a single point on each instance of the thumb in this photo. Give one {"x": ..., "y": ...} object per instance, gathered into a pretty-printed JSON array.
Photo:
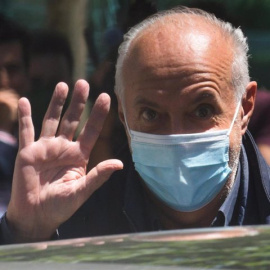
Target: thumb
[{"x": 100, "y": 174}]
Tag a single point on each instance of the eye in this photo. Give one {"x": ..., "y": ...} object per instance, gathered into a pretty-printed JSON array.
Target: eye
[
  {"x": 204, "y": 111},
  {"x": 149, "y": 115}
]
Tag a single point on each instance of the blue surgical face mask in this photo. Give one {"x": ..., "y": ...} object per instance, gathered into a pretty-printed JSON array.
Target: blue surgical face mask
[{"x": 184, "y": 171}]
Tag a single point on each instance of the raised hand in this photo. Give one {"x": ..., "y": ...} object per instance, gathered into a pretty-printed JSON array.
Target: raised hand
[{"x": 50, "y": 180}]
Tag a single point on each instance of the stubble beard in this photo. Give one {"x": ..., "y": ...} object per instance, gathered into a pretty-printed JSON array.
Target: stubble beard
[{"x": 234, "y": 158}]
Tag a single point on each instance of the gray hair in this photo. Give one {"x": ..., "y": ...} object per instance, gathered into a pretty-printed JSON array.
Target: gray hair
[{"x": 240, "y": 72}]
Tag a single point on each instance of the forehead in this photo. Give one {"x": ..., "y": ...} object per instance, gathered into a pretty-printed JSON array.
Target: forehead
[{"x": 178, "y": 48}]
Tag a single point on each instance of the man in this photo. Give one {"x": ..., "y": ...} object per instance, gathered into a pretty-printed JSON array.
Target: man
[{"x": 185, "y": 99}]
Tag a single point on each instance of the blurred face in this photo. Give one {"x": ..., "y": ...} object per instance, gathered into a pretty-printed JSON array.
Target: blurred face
[
  {"x": 13, "y": 73},
  {"x": 177, "y": 81}
]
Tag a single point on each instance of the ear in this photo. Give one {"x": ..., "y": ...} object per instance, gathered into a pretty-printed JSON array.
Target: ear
[{"x": 248, "y": 103}]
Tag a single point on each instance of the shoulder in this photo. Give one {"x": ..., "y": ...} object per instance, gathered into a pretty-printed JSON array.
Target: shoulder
[{"x": 255, "y": 159}]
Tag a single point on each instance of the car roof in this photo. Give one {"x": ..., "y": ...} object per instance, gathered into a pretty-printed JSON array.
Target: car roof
[{"x": 211, "y": 248}]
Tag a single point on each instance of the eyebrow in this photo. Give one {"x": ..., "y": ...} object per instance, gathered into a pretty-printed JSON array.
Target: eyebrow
[
  {"x": 143, "y": 101},
  {"x": 203, "y": 96}
]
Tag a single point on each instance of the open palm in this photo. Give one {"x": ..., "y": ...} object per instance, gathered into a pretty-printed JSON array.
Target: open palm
[{"x": 50, "y": 180}]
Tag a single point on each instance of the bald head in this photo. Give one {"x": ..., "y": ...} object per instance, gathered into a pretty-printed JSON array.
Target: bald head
[{"x": 186, "y": 31}]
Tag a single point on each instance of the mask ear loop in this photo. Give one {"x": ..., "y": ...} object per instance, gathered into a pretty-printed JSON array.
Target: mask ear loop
[{"x": 234, "y": 117}]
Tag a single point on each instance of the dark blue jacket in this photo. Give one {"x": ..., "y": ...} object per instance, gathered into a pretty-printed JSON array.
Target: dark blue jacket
[
  {"x": 8, "y": 154},
  {"x": 7, "y": 160},
  {"x": 121, "y": 205}
]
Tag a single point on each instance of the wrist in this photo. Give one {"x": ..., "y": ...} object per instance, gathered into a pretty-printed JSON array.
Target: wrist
[{"x": 25, "y": 231}]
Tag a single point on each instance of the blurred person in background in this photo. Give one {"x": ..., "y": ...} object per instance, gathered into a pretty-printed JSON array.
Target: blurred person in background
[{"x": 14, "y": 82}]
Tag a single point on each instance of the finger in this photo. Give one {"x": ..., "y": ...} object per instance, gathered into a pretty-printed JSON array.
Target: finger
[
  {"x": 94, "y": 125},
  {"x": 26, "y": 128},
  {"x": 98, "y": 176},
  {"x": 72, "y": 116},
  {"x": 52, "y": 117}
]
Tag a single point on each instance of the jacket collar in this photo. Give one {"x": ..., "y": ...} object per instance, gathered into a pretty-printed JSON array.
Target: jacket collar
[{"x": 260, "y": 177}]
